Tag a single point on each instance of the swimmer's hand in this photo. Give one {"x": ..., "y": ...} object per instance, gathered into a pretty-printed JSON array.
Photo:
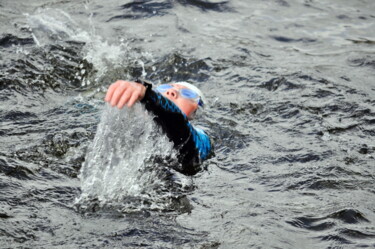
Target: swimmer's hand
[{"x": 123, "y": 93}]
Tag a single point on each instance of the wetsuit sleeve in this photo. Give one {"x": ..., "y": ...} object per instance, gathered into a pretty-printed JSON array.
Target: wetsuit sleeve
[{"x": 193, "y": 144}]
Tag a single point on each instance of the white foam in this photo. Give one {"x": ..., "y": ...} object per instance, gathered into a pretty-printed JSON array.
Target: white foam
[{"x": 118, "y": 160}]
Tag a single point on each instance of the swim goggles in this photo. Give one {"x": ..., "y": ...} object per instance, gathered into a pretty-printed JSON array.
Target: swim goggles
[{"x": 184, "y": 92}]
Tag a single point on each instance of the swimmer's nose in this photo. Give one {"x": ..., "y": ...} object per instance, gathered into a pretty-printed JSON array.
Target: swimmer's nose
[{"x": 172, "y": 93}]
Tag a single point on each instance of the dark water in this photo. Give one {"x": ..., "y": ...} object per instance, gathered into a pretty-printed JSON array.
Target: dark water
[{"x": 291, "y": 88}]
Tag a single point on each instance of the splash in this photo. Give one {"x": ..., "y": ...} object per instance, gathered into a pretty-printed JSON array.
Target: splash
[
  {"x": 128, "y": 164},
  {"x": 125, "y": 159},
  {"x": 54, "y": 26}
]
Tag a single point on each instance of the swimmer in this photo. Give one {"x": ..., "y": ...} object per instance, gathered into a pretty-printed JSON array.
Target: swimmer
[{"x": 173, "y": 105}]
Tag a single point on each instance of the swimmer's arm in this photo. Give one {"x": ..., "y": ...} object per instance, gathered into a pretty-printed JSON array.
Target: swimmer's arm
[{"x": 168, "y": 115}]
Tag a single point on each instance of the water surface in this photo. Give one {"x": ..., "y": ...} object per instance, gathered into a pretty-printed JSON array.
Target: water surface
[{"x": 291, "y": 93}]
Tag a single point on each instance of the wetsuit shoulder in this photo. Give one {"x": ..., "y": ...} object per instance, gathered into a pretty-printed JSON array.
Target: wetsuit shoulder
[{"x": 193, "y": 144}]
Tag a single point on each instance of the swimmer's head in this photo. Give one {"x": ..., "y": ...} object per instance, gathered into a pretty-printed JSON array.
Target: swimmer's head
[{"x": 185, "y": 95}]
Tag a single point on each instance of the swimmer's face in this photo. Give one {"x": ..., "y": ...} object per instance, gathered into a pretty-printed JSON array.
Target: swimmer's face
[{"x": 187, "y": 106}]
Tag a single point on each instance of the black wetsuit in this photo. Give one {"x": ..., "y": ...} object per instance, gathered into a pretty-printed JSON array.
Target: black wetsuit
[{"x": 193, "y": 144}]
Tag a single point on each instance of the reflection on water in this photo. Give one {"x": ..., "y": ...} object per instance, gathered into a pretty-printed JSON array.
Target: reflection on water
[{"x": 291, "y": 93}]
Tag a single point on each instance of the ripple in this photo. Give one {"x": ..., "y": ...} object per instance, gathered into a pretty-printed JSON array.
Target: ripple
[
  {"x": 53, "y": 67},
  {"x": 367, "y": 61},
  {"x": 312, "y": 224},
  {"x": 300, "y": 158},
  {"x": 279, "y": 82},
  {"x": 8, "y": 40},
  {"x": 176, "y": 67},
  {"x": 347, "y": 216},
  {"x": 205, "y": 5},
  {"x": 356, "y": 234},
  {"x": 288, "y": 40},
  {"x": 336, "y": 238},
  {"x": 17, "y": 115},
  {"x": 14, "y": 168},
  {"x": 143, "y": 9},
  {"x": 148, "y": 9}
]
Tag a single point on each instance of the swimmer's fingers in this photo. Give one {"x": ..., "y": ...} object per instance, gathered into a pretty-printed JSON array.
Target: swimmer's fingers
[
  {"x": 135, "y": 96},
  {"x": 125, "y": 98},
  {"x": 118, "y": 92},
  {"x": 111, "y": 90},
  {"x": 138, "y": 94},
  {"x": 124, "y": 92}
]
